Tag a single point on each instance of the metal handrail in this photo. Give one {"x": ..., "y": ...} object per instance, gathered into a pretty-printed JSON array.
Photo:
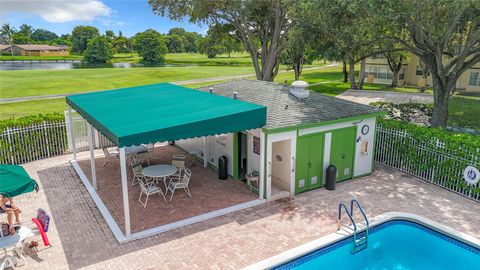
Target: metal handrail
[
  {"x": 349, "y": 216},
  {"x": 361, "y": 211}
]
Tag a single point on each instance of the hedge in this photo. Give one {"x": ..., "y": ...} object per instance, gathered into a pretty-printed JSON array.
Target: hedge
[{"x": 434, "y": 151}]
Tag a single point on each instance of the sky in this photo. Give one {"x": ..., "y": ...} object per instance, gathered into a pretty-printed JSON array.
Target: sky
[{"x": 60, "y": 16}]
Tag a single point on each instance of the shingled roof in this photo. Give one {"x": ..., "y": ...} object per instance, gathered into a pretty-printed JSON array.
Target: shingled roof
[
  {"x": 285, "y": 110},
  {"x": 39, "y": 47}
]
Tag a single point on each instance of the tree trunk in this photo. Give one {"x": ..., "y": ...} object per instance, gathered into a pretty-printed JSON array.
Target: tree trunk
[
  {"x": 345, "y": 72},
  {"x": 395, "y": 79},
  {"x": 297, "y": 67},
  {"x": 441, "y": 96},
  {"x": 362, "y": 73},
  {"x": 351, "y": 74}
]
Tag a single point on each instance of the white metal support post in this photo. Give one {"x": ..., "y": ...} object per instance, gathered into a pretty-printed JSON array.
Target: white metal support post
[
  {"x": 72, "y": 135},
  {"x": 205, "y": 152},
  {"x": 126, "y": 207},
  {"x": 261, "y": 180},
  {"x": 92, "y": 155}
]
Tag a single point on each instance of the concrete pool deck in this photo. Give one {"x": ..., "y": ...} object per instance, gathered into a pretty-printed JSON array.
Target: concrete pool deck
[{"x": 82, "y": 239}]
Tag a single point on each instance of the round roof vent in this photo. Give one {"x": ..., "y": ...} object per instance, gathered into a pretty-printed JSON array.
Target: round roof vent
[{"x": 299, "y": 89}]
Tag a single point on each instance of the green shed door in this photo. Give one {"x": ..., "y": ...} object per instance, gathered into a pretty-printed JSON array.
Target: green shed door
[
  {"x": 301, "y": 170},
  {"x": 315, "y": 169},
  {"x": 342, "y": 152},
  {"x": 309, "y": 168}
]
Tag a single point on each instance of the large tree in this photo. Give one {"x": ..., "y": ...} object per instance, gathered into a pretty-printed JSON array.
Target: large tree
[
  {"x": 43, "y": 35},
  {"x": 26, "y": 30},
  {"x": 261, "y": 25},
  {"x": 7, "y": 32},
  {"x": 444, "y": 34},
  {"x": 342, "y": 23},
  {"x": 150, "y": 45},
  {"x": 81, "y": 35},
  {"x": 99, "y": 50},
  {"x": 298, "y": 52}
]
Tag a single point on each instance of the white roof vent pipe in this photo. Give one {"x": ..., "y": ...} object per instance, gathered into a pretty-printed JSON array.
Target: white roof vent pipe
[
  {"x": 235, "y": 95},
  {"x": 299, "y": 89},
  {"x": 210, "y": 90}
]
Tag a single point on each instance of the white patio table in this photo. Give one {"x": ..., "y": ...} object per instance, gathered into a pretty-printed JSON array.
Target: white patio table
[
  {"x": 159, "y": 172},
  {"x": 16, "y": 241}
]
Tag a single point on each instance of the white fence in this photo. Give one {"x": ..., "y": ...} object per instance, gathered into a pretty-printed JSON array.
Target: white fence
[
  {"x": 81, "y": 135},
  {"x": 433, "y": 164},
  {"x": 25, "y": 144},
  {"x": 44, "y": 140}
]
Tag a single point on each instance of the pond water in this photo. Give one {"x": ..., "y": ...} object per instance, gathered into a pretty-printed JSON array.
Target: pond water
[{"x": 74, "y": 65}]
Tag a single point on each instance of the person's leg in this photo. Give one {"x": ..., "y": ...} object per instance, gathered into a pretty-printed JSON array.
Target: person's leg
[
  {"x": 10, "y": 222},
  {"x": 17, "y": 216}
]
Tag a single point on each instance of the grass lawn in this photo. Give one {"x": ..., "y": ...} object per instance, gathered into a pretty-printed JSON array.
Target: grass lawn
[
  {"x": 464, "y": 111},
  {"x": 23, "y": 83},
  {"x": 19, "y": 109},
  {"x": 24, "y": 108}
]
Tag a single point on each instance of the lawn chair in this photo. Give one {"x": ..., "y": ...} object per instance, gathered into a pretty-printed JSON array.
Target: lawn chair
[
  {"x": 148, "y": 189},
  {"x": 182, "y": 184},
  {"x": 180, "y": 165},
  {"x": 110, "y": 153},
  {"x": 150, "y": 147},
  {"x": 137, "y": 173},
  {"x": 178, "y": 157},
  {"x": 141, "y": 157}
]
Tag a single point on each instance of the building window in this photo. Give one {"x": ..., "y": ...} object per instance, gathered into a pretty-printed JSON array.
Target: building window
[
  {"x": 419, "y": 71},
  {"x": 474, "y": 79},
  {"x": 380, "y": 73}
]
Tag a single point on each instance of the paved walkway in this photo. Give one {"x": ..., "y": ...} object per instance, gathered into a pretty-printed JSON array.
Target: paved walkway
[
  {"x": 367, "y": 97},
  {"x": 81, "y": 238},
  {"x": 194, "y": 81}
]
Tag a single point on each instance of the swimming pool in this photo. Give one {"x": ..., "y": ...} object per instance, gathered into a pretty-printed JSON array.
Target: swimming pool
[{"x": 395, "y": 244}]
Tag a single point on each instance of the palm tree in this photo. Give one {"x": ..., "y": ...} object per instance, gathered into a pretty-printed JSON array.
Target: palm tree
[
  {"x": 27, "y": 30},
  {"x": 7, "y": 32}
]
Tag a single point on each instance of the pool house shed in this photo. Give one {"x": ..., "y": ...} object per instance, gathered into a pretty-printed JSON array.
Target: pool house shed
[{"x": 281, "y": 138}]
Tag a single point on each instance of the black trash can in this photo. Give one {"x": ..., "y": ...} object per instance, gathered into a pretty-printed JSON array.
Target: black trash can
[
  {"x": 331, "y": 177},
  {"x": 222, "y": 168}
]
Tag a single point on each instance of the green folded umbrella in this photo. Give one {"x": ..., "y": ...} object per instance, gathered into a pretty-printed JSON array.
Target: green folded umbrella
[{"x": 14, "y": 181}]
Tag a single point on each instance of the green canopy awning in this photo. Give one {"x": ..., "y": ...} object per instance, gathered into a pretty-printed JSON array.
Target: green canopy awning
[
  {"x": 164, "y": 112},
  {"x": 14, "y": 181}
]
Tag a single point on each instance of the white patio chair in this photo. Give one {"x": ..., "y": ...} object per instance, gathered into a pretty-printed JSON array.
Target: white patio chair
[
  {"x": 150, "y": 147},
  {"x": 178, "y": 157},
  {"x": 148, "y": 189},
  {"x": 137, "y": 173},
  {"x": 141, "y": 157},
  {"x": 7, "y": 262},
  {"x": 182, "y": 184},
  {"x": 110, "y": 153},
  {"x": 180, "y": 165}
]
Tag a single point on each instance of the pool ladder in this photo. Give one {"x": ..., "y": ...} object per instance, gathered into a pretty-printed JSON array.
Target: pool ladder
[{"x": 360, "y": 240}]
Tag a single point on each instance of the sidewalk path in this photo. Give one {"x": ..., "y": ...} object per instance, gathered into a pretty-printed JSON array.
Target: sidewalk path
[
  {"x": 367, "y": 97},
  {"x": 203, "y": 80}
]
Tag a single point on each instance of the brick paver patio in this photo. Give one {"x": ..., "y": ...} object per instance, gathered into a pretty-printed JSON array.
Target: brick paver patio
[
  {"x": 208, "y": 193},
  {"x": 81, "y": 238}
]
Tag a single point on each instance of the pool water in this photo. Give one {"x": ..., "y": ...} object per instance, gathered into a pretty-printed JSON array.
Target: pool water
[{"x": 394, "y": 245}]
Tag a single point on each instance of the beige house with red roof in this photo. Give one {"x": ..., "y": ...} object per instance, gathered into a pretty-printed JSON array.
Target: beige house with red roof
[{"x": 39, "y": 50}]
